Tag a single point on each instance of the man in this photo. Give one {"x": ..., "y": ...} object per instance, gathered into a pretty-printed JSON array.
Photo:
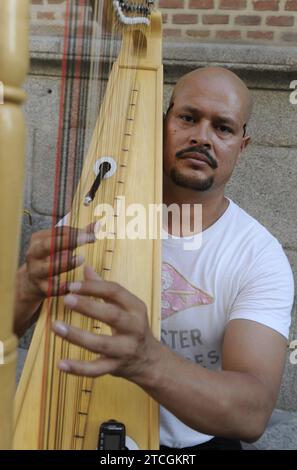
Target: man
[{"x": 226, "y": 306}]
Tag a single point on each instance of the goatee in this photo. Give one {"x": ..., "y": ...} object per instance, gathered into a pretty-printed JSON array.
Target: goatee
[{"x": 190, "y": 182}]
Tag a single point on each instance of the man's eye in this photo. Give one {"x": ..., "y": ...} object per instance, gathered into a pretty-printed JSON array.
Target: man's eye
[
  {"x": 224, "y": 129},
  {"x": 186, "y": 118}
]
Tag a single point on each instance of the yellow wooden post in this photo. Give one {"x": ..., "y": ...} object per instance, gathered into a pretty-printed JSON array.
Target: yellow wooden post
[{"x": 14, "y": 19}]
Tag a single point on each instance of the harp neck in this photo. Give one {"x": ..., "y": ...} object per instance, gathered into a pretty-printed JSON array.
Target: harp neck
[
  {"x": 123, "y": 13},
  {"x": 133, "y": 13},
  {"x": 142, "y": 45}
]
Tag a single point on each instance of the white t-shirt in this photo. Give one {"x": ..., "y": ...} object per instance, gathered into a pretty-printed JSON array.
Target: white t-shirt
[{"x": 239, "y": 271}]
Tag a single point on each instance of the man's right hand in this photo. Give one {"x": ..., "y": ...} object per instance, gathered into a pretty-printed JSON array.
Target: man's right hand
[{"x": 50, "y": 253}]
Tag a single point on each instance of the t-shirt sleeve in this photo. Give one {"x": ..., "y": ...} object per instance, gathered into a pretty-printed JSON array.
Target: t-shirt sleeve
[
  {"x": 267, "y": 290},
  {"x": 64, "y": 221}
]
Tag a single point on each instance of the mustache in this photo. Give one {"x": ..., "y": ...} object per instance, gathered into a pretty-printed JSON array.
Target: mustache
[{"x": 211, "y": 160}]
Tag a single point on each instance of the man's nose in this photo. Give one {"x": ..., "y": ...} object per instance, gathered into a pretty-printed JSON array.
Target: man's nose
[{"x": 201, "y": 134}]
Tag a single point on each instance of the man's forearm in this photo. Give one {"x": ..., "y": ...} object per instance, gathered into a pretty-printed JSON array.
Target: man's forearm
[{"x": 221, "y": 403}]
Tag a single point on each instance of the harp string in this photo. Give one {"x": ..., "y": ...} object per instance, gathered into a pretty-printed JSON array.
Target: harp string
[
  {"x": 77, "y": 99},
  {"x": 87, "y": 383},
  {"x": 67, "y": 314},
  {"x": 72, "y": 94},
  {"x": 88, "y": 324},
  {"x": 46, "y": 368},
  {"x": 79, "y": 104}
]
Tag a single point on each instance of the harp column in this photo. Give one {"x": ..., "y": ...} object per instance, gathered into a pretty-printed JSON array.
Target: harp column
[{"x": 14, "y": 59}]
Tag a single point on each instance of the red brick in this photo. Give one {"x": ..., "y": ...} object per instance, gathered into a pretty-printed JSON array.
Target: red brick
[
  {"x": 45, "y": 15},
  {"x": 197, "y": 34},
  {"x": 280, "y": 20},
  {"x": 215, "y": 19},
  {"x": 202, "y": 4},
  {"x": 291, "y": 5},
  {"x": 289, "y": 36},
  {"x": 47, "y": 29},
  {"x": 260, "y": 34},
  {"x": 184, "y": 19},
  {"x": 232, "y": 4},
  {"x": 171, "y": 3},
  {"x": 228, "y": 35},
  {"x": 266, "y": 5},
  {"x": 172, "y": 32},
  {"x": 248, "y": 20}
]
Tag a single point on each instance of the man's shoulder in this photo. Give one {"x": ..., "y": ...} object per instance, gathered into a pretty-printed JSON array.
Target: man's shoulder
[
  {"x": 248, "y": 225},
  {"x": 254, "y": 241}
]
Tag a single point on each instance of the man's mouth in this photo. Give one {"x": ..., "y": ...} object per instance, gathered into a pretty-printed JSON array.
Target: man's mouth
[{"x": 198, "y": 155}]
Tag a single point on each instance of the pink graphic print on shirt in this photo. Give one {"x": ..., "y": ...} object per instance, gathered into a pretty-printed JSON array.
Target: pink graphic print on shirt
[{"x": 178, "y": 294}]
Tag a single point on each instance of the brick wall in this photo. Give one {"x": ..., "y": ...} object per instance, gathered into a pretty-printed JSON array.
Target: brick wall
[{"x": 241, "y": 21}]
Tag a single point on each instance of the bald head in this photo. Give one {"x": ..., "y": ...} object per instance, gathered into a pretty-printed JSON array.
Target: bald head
[{"x": 218, "y": 78}]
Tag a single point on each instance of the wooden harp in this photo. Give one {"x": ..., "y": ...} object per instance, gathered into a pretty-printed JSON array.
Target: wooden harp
[
  {"x": 53, "y": 410},
  {"x": 14, "y": 63}
]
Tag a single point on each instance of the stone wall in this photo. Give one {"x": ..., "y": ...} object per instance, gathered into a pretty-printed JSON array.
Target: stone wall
[{"x": 264, "y": 183}]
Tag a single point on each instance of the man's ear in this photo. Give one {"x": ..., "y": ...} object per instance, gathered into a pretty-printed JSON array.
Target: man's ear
[{"x": 245, "y": 142}]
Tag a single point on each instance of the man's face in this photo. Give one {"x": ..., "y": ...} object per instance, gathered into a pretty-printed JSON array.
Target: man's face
[{"x": 204, "y": 133}]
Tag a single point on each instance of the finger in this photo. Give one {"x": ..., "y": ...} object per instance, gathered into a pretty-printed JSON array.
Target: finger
[
  {"x": 90, "y": 274},
  {"x": 63, "y": 229},
  {"x": 68, "y": 228},
  {"x": 95, "y": 368},
  {"x": 52, "y": 287},
  {"x": 49, "y": 267},
  {"x": 71, "y": 238},
  {"x": 92, "y": 227},
  {"x": 105, "y": 312},
  {"x": 109, "y": 291},
  {"x": 115, "y": 347}
]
